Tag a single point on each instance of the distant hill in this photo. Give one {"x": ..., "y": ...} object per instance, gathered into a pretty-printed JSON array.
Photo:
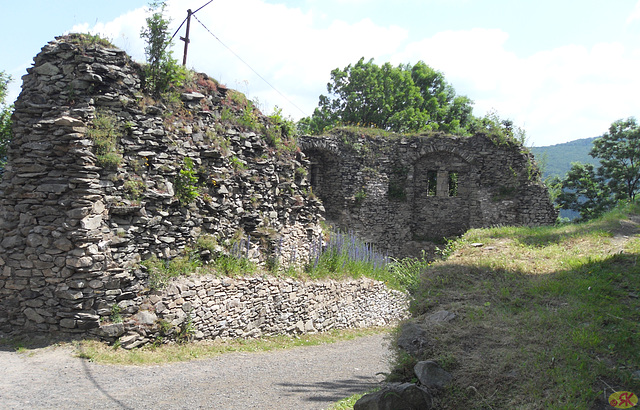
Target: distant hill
[{"x": 555, "y": 160}]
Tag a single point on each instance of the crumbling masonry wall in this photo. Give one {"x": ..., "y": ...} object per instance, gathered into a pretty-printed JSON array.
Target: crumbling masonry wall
[
  {"x": 405, "y": 194},
  {"x": 74, "y": 227}
]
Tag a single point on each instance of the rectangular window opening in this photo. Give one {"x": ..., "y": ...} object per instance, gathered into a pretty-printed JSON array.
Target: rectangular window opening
[
  {"x": 453, "y": 184},
  {"x": 432, "y": 183}
]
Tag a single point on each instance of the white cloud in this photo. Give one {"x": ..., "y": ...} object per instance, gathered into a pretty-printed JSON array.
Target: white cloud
[
  {"x": 557, "y": 95},
  {"x": 635, "y": 14},
  {"x": 124, "y": 32},
  {"x": 286, "y": 46}
]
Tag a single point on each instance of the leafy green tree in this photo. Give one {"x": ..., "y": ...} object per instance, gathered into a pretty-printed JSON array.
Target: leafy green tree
[
  {"x": 619, "y": 154},
  {"x": 162, "y": 71},
  {"x": 401, "y": 99},
  {"x": 583, "y": 190},
  {"x": 5, "y": 118},
  {"x": 590, "y": 191}
]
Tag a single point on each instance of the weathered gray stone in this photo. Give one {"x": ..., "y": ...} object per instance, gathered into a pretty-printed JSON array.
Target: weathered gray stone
[
  {"x": 31, "y": 314},
  {"x": 91, "y": 222},
  {"x": 413, "y": 338},
  {"x": 66, "y": 121},
  {"x": 68, "y": 323},
  {"x": 442, "y": 316},
  {"x": 404, "y": 396},
  {"x": 47, "y": 69},
  {"x": 145, "y": 317},
  {"x": 112, "y": 330},
  {"x": 431, "y": 375}
]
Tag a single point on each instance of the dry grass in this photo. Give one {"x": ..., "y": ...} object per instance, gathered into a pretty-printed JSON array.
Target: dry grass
[
  {"x": 178, "y": 352},
  {"x": 547, "y": 317}
]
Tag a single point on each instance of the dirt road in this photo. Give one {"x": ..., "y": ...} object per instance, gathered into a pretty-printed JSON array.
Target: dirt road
[{"x": 311, "y": 377}]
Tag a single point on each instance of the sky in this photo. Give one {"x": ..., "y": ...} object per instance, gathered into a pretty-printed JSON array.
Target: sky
[{"x": 560, "y": 69}]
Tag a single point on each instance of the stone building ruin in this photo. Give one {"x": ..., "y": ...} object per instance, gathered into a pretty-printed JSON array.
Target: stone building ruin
[
  {"x": 101, "y": 176},
  {"x": 406, "y": 194}
]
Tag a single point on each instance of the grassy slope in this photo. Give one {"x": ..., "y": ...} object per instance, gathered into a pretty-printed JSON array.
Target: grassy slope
[{"x": 547, "y": 317}]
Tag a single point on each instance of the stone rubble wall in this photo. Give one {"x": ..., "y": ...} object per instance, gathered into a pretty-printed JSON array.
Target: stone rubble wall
[
  {"x": 225, "y": 308},
  {"x": 73, "y": 230},
  {"x": 378, "y": 188}
]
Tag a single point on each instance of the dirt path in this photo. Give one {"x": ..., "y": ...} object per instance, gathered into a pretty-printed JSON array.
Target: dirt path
[{"x": 310, "y": 377}]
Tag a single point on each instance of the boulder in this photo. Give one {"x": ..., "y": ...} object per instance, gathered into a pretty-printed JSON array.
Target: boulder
[
  {"x": 405, "y": 396},
  {"x": 412, "y": 338},
  {"x": 442, "y": 316},
  {"x": 431, "y": 375}
]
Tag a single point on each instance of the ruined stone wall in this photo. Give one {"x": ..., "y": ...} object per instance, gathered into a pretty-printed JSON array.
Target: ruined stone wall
[
  {"x": 405, "y": 194},
  {"x": 75, "y": 222},
  {"x": 210, "y": 308}
]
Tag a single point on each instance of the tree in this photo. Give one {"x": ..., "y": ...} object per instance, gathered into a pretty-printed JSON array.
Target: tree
[
  {"x": 162, "y": 71},
  {"x": 619, "y": 154},
  {"x": 593, "y": 191},
  {"x": 5, "y": 118},
  {"x": 401, "y": 99},
  {"x": 583, "y": 190}
]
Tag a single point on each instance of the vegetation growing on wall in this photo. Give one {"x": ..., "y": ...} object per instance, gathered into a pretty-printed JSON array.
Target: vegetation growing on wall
[
  {"x": 104, "y": 133},
  {"x": 186, "y": 183},
  {"x": 162, "y": 73},
  {"x": 85, "y": 40}
]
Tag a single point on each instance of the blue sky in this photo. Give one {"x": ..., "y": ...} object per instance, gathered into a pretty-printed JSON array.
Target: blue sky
[{"x": 560, "y": 69}]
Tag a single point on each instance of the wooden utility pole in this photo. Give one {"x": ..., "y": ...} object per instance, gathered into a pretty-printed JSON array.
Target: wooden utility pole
[{"x": 186, "y": 37}]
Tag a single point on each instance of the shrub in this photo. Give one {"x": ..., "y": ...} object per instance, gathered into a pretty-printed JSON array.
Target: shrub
[{"x": 185, "y": 183}]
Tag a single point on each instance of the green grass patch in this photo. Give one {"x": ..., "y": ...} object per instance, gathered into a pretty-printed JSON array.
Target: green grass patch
[
  {"x": 348, "y": 402},
  {"x": 548, "y": 317},
  {"x": 177, "y": 352},
  {"x": 340, "y": 257}
]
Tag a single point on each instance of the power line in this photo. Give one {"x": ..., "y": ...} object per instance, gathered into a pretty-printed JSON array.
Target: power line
[{"x": 247, "y": 64}]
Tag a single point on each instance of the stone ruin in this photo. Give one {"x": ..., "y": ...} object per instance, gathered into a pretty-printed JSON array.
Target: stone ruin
[
  {"x": 406, "y": 194},
  {"x": 77, "y": 217}
]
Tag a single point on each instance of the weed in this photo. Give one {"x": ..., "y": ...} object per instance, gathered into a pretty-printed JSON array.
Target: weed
[
  {"x": 86, "y": 40},
  {"x": 185, "y": 183},
  {"x": 104, "y": 133},
  {"x": 115, "y": 316},
  {"x": 134, "y": 188}
]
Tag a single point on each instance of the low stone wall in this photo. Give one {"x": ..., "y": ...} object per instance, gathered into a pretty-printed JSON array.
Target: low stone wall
[{"x": 213, "y": 308}]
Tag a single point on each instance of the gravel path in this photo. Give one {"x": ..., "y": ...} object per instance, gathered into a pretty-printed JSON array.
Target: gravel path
[{"x": 311, "y": 377}]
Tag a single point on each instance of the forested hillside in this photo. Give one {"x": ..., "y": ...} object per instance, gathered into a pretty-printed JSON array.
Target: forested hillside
[{"x": 555, "y": 160}]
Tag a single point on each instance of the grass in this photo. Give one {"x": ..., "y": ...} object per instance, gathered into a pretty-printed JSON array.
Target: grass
[
  {"x": 338, "y": 256},
  {"x": 175, "y": 352},
  {"x": 548, "y": 317},
  {"x": 348, "y": 402}
]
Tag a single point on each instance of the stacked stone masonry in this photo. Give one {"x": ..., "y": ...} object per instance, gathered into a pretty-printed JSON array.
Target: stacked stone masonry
[
  {"x": 406, "y": 193},
  {"x": 253, "y": 307},
  {"x": 73, "y": 230}
]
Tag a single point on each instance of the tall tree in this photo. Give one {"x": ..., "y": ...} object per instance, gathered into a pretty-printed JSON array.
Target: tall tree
[
  {"x": 619, "y": 154},
  {"x": 403, "y": 98},
  {"x": 583, "y": 190},
  {"x": 592, "y": 191}
]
